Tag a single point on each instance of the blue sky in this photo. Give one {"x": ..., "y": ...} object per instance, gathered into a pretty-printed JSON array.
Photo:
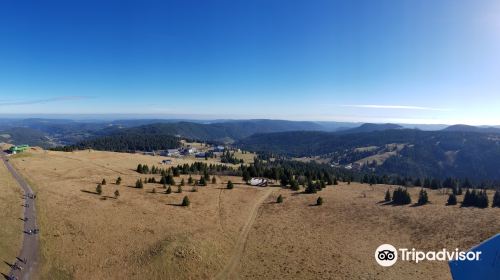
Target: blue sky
[{"x": 379, "y": 61}]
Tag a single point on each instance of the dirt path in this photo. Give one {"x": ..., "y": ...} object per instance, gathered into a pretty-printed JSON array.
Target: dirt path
[
  {"x": 29, "y": 250},
  {"x": 229, "y": 270}
]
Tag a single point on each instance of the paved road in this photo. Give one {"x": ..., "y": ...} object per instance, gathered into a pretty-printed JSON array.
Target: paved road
[
  {"x": 230, "y": 270},
  {"x": 30, "y": 248}
]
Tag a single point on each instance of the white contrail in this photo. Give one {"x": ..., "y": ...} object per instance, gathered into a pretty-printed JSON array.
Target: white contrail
[
  {"x": 38, "y": 101},
  {"x": 401, "y": 107}
]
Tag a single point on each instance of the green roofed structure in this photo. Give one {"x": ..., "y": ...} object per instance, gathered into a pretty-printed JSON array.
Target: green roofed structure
[{"x": 18, "y": 149}]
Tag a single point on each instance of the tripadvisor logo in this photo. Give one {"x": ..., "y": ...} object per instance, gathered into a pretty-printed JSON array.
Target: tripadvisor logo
[{"x": 387, "y": 255}]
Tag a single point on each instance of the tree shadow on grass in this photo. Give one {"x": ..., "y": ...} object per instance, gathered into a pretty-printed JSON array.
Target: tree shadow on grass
[
  {"x": 86, "y": 191},
  {"x": 175, "y": 204},
  {"x": 11, "y": 265},
  {"x": 419, "y": 205},
  {"x": 299, "y": 193}
]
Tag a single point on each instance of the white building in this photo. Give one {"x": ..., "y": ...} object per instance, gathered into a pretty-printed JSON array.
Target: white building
[{"x": 261, "y": 182}]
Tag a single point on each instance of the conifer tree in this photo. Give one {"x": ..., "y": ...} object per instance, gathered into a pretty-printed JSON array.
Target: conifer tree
[
  {"x": 202, "y": 181},
  {"x": 496, "y": 199},
  {"x": 139, "y": 184},
  {"x": 169, "y": 190},
  {"x": 185, "y": 201},
  {"x": 117, "y": 194},
  {"x": 423, "y": 197},
  {"x": 118, "y": 181},
  {"x": 482, "y": 199},
  {"x": 467, "y": 201},
  {"x": 103, "y": 182},
  {"x": 401, "y": 196},
  {"x": 279, "y": 199},
  {"x": 452, "y": 199},
  {"x": 311, "y": 188},
  {"x": 387, "y": 196},
  {"x": 230, "y": 185},
  {"x": 98, "y": 189},
  {"x": 319, "y": 201},
  {"x": 214, "y": 180}
]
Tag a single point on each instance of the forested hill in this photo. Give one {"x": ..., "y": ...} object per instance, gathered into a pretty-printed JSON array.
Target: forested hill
[
  {"x": 161, "y": 136},
  {"x": 421, "y": 153},
  {"x": 127, "y": 143},
  {"x": 224, "y": 131}
]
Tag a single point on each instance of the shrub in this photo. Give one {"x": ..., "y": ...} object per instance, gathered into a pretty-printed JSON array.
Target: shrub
[
  {"x": 319, "y": 201},
  {"x": 103, "y": 182},
  {"x": 214, "y": 180},
  {"x": 153, "y": 190},
  {"x": 185, "y": 201},
  {"x": 190, "y": 180},
  {"x": 452, "y": 199},
  {"x": 182, "y": 182},
  {"x": 179, "y": 189},
  {"x": 118, "y": 181},
  {"x": 294, "y": 185},
  {"x": 230, "y": 185},
  {"x": 169, "y": 190},
  {"x": 279, "y": 199},
  {"x": 98, "y": 189}
]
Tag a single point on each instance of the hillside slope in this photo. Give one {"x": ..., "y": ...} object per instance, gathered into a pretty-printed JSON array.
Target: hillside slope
[{"x": 424, "y": 153}]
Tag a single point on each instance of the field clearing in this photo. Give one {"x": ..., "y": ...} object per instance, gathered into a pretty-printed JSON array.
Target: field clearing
[
  {"x": 247, "y": 157},
  {"x": 10, "y": 224},
  {"x": 145, "y": 235},
  {"x": 140, "y": 234},
  {"x": 337, "y": 240}
]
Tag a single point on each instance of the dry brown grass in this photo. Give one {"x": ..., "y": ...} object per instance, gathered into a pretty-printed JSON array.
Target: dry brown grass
[
  {"x": 142, "y": 235},
  {"x": 247, "y": 157},
  {"x": 10, "y": 224},
  {"x": 337, "y": 240}
]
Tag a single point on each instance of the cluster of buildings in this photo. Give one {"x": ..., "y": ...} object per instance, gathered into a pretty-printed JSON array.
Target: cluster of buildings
[{"x": 187, "y": 151}]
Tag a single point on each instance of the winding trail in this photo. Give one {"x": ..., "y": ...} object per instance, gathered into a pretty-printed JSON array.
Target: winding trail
[
  {"x": 30, "y": 247},
  {"x": 229, "y": 270}
]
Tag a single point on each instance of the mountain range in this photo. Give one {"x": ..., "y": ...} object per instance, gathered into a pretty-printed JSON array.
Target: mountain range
[{"x": 458, "y": 150}]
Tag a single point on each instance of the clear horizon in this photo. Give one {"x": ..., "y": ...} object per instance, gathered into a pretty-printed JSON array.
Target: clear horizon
[
  {"x": 345, "y": 61},
  {"x": 191, "y": 117}
]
